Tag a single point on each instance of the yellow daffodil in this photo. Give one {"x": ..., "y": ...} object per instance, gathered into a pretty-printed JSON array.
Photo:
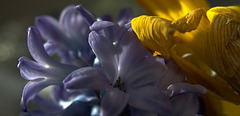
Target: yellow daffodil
[{"x": 204, "y": 42}]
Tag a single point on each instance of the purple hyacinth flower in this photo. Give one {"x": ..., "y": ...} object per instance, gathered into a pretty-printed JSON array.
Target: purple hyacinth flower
[
  {"x": 67, "y": 37},
  {"x": 42, "y": 72},
  {"x": 128, "y": 75}
]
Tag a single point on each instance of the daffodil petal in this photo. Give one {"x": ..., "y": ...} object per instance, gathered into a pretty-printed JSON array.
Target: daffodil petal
[
  {"x": 230, "y": 109},
  {"x": 217, "y": 107},
  {"x": 155, "y": 33},
  {"x": 197, "y": 71},
  {"x": 222, "y": 51},
  {"x": 171, "y": 9}
]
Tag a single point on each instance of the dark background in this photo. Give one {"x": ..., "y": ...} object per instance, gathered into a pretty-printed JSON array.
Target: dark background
[{"x": 17, "y": 15}]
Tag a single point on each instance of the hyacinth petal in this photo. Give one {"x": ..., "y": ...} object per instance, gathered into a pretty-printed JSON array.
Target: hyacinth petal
[
  {"x": 174, "y": 74},
  {"x": 120, "y": 32},
  {"x": 171, "y": 9},
  {"x": 50, "y": 29},
  {"x": 131, "y": 52},
  {"x": 106, "y": 53},
  {"x": 222, "y": 52},
  {"x": 60, "y": 93},
  {"x": 31, "y": 70},
  {"x": 89, "y": 78},
  {"x": 66, "y": 18},
  {"x": 145, "y": 72},
  {"x": 153, "y": 31},
  {"x": 86, "y": 14},
  {"x": 50, "y": 47},
  {"x": 65, "y": 56},
  {"x": 38, "y": 52},
  {"x": 185, "y": 105},
  {"x": 135, "y": 57},
  {"x": 35, "y": 46},
  {"x": 125, "y": 16},
  {"x": 113, "y": 102},
  {"x": 150, "y": 99},
  {"x": 32, "y": 88},
  {"x": 73, "y": 23},
  {"x": 179, "y": 88},
  {"x": 98, "y": 25},
  {"x": 46, "y": 105}
]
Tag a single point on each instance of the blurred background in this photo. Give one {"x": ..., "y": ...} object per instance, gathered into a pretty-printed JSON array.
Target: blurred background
[{"x": 16, "y": 16}]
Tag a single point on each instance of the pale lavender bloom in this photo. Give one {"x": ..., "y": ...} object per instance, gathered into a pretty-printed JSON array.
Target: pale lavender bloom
[
  {"x": 128, "y": 75},
  {"x": 42, "y": 73},
  {"x": 67, "y": 37}
]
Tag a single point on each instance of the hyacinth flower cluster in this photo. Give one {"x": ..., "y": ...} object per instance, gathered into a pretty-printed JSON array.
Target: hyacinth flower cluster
[{"x": 103, "y": 70}]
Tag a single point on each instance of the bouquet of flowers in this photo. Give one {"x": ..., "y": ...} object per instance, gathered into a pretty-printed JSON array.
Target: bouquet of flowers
[{"x": 180, "y": 61}]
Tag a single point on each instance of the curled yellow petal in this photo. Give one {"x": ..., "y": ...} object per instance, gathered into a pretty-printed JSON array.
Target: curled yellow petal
[
  {"x": 155, "y": 33},
  {"x": 190, "y": 21},
  {"x": 222, "y": 51},
  {"x": 171, "y": 9}
]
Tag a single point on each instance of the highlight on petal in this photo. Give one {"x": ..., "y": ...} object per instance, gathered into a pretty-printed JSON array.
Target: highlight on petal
[
  {"x": 87, "y": 78},
  {"x": 155, "y": 33},
  {"x": 180, "y": 88},
  {"x": 222, "y": 52},
  {"x": 31, "y": 70},
  {"x": 98, "y": 25},
  {"x": 172, "y": 9},
  {"x": 113, "y": 102}
]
